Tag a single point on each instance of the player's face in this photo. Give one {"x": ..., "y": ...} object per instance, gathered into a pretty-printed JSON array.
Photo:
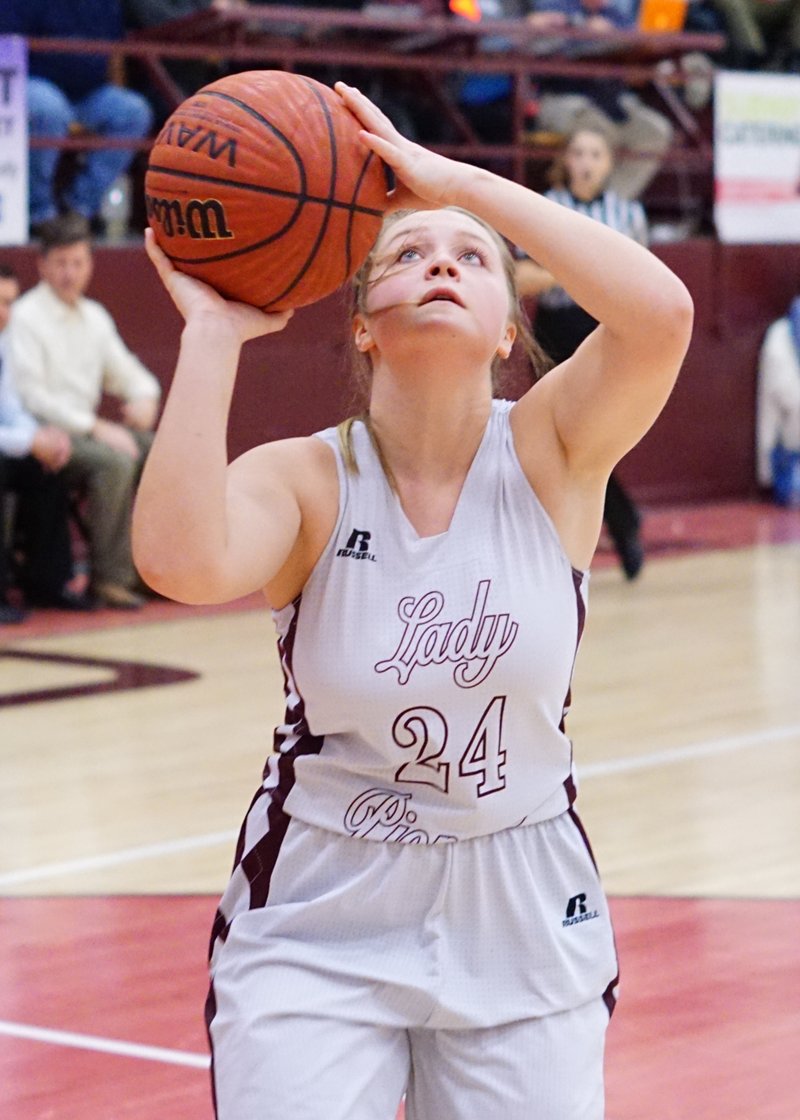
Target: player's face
[
  {"x": 68, "y": 270},
  {"x": 440, "y": 271},
  {"x": 9, "y": 290},
  {"x": 587, "y": 162}
]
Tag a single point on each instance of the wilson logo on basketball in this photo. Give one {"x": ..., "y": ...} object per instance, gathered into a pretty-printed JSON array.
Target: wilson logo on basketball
[
  {"x": 199, "y": 219},
  {"x": 198, "y": 139}
]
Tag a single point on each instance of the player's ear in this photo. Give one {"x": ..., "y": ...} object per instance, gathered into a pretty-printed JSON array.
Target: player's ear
[
  {"x": 362, "y": 335},
  {"x": 504, "y": 349}
]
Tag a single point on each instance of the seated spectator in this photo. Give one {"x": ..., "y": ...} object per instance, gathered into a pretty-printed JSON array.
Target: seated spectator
[
  {"x": 778, "y": 408},
  {"x": 761, "y": 34},
  {"x": 31, "y": 460},
  {"x": 703, "y": 18},
  {"x": 65, "y": 90},
  {"x": 640, "y": 134},
  {"x": 189, "y": 74},
  {"x": 65, "y": 352},
  {"x": 580, "y": 178}
]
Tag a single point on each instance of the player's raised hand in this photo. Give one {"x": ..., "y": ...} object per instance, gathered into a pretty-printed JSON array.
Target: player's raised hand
[
  {"x": 425, "y": 180},
  {"x": 195, "y": 299}
]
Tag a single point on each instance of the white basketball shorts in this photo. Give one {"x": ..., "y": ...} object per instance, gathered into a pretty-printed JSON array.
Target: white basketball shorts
[{"x": 475, "y": 976}]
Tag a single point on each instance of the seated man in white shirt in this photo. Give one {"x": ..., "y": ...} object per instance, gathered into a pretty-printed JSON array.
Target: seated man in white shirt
[
  {"x": 66, "y": 352},
  {"x": 32, "y": 457}
]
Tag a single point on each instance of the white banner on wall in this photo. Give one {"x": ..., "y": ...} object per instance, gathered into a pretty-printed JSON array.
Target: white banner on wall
[
  {"x": 13, "y": 141},
  {"x": 757, "y": 157}
]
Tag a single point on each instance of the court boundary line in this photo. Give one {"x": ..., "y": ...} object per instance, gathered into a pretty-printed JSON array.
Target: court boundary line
[
  {"x": 115, "y": 859},
  {"x": 104, "y": 1045},
  {"x": 669, "y": 757}
]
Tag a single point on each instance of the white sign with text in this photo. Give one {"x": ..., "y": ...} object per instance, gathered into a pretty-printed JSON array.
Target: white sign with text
[
  {"x": 13, "y": 141},
  {"x": 757, "y": 157}
]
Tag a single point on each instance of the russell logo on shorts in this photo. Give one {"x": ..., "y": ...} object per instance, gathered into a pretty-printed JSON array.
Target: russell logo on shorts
[{"x": 577, "y": 911}]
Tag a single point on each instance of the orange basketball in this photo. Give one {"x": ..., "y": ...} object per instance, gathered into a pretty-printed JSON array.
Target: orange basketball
[{"x": 259, "y": 185}]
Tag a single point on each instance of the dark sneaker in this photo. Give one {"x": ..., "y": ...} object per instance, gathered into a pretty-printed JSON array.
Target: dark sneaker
[{"x": 11, "y": 616}]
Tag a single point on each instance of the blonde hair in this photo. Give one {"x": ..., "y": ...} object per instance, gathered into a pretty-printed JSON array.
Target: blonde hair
[{"x": 362, "y": 367}]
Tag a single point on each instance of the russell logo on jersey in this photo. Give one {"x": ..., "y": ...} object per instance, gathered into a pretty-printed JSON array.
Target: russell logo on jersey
[{"x": 357, "y": 547}]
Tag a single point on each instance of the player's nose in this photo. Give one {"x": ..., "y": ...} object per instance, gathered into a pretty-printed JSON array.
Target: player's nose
[{"x": 443, "y": 264}]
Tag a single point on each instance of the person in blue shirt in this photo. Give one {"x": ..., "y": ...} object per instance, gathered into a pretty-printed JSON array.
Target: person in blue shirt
[
  {"x": 66, "y": 89},
  {"x": 31, "y": 458}
]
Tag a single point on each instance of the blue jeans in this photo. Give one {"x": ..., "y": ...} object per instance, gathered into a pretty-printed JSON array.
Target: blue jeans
[{"x": 108, "y": 111}]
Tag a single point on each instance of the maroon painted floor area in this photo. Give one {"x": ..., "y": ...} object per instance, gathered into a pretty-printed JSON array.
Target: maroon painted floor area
[
  {"x": 706, "y": 1029},
  {"x": 708, "y": 1022}
]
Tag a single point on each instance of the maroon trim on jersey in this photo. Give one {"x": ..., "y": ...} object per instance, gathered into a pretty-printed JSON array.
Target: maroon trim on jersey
[
  {"x": 569, "y": 788},
  {"x": 577, "y": 583},
  {"x": 210, "y": 1012},
  {"x": 610, "y": 995},
  {"x": 259, "y": 863},
  {"x": 576, "y": 820}
]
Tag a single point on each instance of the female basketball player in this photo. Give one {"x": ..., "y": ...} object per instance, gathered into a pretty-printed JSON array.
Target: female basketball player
[{"x": 414, "y": 906}]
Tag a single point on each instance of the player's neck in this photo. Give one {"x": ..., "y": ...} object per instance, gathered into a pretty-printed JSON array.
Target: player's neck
[{"x": 432, "y": 434}]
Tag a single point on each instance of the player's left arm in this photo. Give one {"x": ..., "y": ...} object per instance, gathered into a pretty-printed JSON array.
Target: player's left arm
[{"x": 602, "y": 400}]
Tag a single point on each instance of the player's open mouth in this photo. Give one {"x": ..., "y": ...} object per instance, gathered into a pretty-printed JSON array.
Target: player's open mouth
[{"x": 444, "y": 295}]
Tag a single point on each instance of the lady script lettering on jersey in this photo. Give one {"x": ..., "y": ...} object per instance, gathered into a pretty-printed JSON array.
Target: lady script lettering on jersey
[{"x": 473, "y": 644}]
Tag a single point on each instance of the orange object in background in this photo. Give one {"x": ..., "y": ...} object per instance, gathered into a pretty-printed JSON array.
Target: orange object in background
[
  {"x": 469, "y": 9},
  {"x": 662, "y": 15}
]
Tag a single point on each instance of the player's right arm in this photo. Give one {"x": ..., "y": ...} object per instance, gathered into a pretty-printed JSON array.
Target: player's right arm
[{"x": 204, "y": 532}]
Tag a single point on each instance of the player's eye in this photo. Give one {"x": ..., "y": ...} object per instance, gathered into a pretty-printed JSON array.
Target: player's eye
[
  {"x": 473, "y": 256},
  {"x": 408, "y": 253}
]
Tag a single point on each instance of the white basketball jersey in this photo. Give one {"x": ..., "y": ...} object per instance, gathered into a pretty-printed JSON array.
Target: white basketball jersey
[{"x": 427, "y": 679}]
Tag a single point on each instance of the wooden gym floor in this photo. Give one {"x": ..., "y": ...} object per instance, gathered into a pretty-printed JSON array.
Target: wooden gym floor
[{"x": 131, "y": 746}]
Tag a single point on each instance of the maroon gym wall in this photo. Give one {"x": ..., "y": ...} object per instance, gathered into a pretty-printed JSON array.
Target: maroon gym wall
[{"x": 702, "y": 446}]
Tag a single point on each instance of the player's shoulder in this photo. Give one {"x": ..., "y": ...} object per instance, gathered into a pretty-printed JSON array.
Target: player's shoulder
[
  {"x": 301, "y": 450},
  {"x": 305, "y": 463}
]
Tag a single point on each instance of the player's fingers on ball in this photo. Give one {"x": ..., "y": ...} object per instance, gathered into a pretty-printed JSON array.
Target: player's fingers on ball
[
  {"x": 156, "y": 254},
  {"x": 366, "y": 110},
  {"x": 388, "y": 151},
  {"x": 150, "y": 244}
]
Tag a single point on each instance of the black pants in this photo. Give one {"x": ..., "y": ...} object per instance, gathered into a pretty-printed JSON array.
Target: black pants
[
  {"x": 621, "y": 516},
  {"x": 41, "y": 528}
]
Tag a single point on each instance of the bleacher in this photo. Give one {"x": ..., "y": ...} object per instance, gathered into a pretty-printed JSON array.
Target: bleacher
[{"x": 702, "y": 446}]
